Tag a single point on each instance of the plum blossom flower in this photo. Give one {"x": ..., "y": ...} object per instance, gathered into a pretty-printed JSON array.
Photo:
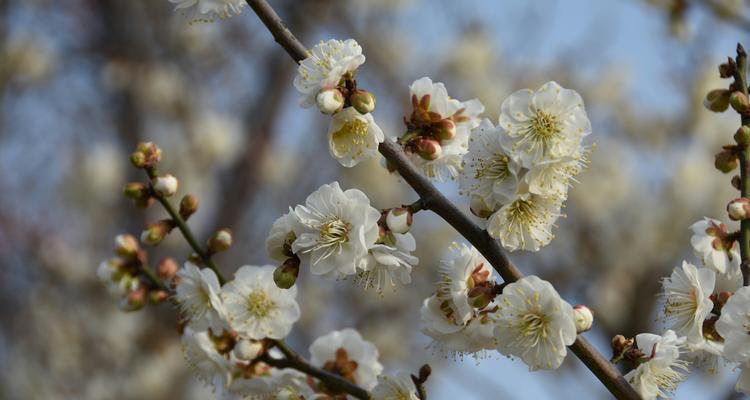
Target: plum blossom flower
[
  {"x": 734, "y": 326},
  {"x": 544, "y": 125},
  {"x": 452, "y": 337},
  {"x": 663, "y": 370},
  {"x": 553, "y": 178},
  {"x": 388, "y": 262},
  {"x": 488, "y": 170},
  {"x": 198, "y": 295},
  {"x": 346, "y": 354},
  {"x": 397, "y": 387},
  {"x": 325, "y": 66},
  {"x": 534, "y": 323},
  {"x": 712, "y": 245},
  {"x": 256, "y": 308},
  {"x": 210, "y": 366},
  {"x": 335, "y": 230},
  {"x": 526, "y": 223},
  {"x": 281, "y": 237},
  {"x": 686, "y": 300},
  {"x": 438, "y": 129},
  {"x": 353, "y": 137},
  {"x": 208, "y": 10}
]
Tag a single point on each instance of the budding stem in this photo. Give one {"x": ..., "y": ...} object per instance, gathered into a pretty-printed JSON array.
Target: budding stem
[{"x": 740, "y": 78}]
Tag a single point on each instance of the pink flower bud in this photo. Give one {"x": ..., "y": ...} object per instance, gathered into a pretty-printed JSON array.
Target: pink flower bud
[
  {"x": 167, "y": 268},
  {"x": 156, "y": 232},
  {"x": 445, "y": 129},
  {"x": 429, "y": 149},
  {"x": 399, "y": 220},
  {"x": 739, "y": 209},
  {"x": 584, "y": 318},
  {"x": 166, "y": 185}
]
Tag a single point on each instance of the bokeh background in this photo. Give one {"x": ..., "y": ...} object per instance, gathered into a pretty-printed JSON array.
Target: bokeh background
[{"x": 82, "y": 81}]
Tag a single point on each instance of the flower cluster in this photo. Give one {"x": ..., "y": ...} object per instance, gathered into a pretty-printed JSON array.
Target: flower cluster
[
  {"x": 326, "y": 79},
  {"x": 517, "y": 174},
  {"x": 469, "y": 313},
  {"x": 338, "y": 234},
  {"x": 437, "y": 131},
  {"x": 208, "y": 10}
]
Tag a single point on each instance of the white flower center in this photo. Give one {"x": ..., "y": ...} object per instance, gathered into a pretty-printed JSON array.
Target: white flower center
[
  {"x": 259, "y": 304},
  {"x": 332, "y": 234},
  {"x": 494, "y": 169},
  {"x": 352, "y": 135},
  {"x": 533, "y": 326},
  {"x": 543, "y": 126},
  {"x": 682, "y": 306}
]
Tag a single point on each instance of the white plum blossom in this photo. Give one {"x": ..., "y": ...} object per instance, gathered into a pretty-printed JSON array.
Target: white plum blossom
[
  {"x": 553, "y": 178},
  {"x": 734, "y": 326},
  {"x": 397, "y": 387},
  {"x": 269, "y": 383},
  {"x": 353, "y": 137},
  {"x": 447, "y": 121},
  {"x": 335, "y": 230},
  {"x": 345, "y": 353},
  {"x": 324, "y": 67},
  {"x": 686, "y": 300},
  {"x": 256, "y": 308},
  {"x": 712, "y": 246},
  {"x": 489, "y": 172},
  {"x": 526, "y": 223},
  {"x": 466, "y": 270},
  {"x": 198, "y": 295},
  {"x": 210, "y": 366},
  {"x": 534, "y": 323},
  {"x": 388, "y": 263},
  {"x": 663, "y": 370},
  {"x": 453, "y": 337},
  {"x": 208, "y": 10},
  {"x": 545, "y": 125},
  {"x": 281, "y": 237}
]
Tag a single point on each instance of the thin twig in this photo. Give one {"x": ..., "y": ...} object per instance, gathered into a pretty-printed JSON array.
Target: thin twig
[
  {"x": 741, "y": 83},
  {"x": 436, "y": 202},
  {"x": 331, "y": 380}
]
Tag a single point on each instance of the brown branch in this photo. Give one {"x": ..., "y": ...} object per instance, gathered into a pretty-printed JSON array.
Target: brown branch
[{"x": 436, "y": 202}]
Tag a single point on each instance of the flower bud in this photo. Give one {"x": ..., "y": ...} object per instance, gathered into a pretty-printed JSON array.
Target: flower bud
[
  {"x": 445, "y": 129},
  {"x": 726, "y": 70},
  {"x": 742, "y": 136},
  {"x": 478, "y": 207},
  {"x": 429, "y": 149},
  {"x": 157, "y": 296},
  {"x": 188, "y": 206},
  {"x": 166, "y": 185},
  {"x": 134, "y": 190},
  {"x": 399, "y": 220},
  {"x": 736, "y": 182},
  {"x": 584, "y": 318},
  {"x": 151, "y": 151},
  {"x": 220, "y": 241},
  {"x": 144, "y": 202},
  {"x": 167, "y": 269},
  {"x": 717, "y": 100},
  {"x": 330, "y": 101},
  {"x": 247, "y": 350},
  {"x": 286, "y": 274},
  {"x": 739, "y": 102},
  {"x": 739, "y": 209},
  {"x": 126, "y": 246},
  {"x": 726, "y": 161},
  {"x": 138, "y": 159},
  {"x": 195, "y": 258},
  {"x": 156, "y": 232},
  {"x": 424, "y": 372},
  {"x": 362, "y": 101},
  {"x": 135, "y": 300}
]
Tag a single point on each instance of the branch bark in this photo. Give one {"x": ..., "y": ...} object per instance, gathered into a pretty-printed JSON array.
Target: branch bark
[
  {"x": 741, "y": 83},
  {"x": 436, "y": 202}
]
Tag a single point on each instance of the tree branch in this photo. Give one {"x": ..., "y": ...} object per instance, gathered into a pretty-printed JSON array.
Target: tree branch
[
  {"x": 744, "y": 241},
  {"x": 331, "y": 380},
  {"x": 436, "y": 202}
]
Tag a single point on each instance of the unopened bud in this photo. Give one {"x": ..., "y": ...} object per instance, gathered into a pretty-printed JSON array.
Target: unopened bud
[
  {"x": 330, "y": 101},
  {"x": 481, "y": 296},
  {"x": 429, "y": 149},
  {"x": 144, "y": 202},
  {"x": 620, "y": 346},
  {"x": 726, "y": 70},
  {"x": 286, "y": 274},
  {"x": 151, "y": 151},
  {"x": 247, "y": 350},
  {"x": 166, "y": 185},
  {"x": 157, "y": 296},
  {"x": 188, "y": 206},
  {"x": 167, "y": 268},
  {"x": 135, "y": 300},
  {"x": 195, "y": 258},
  {"x": 584, "y": 318},
  {"x": 126, "y": 246},
  {"x": 399, "y": 220},
  {"x": 156, "y": 232},
  {"x": 742, "y": 136},
  {"x": 736, "y": 182},
  {"x": 362, "y": 101},
  {"x": 739, "y": 102},
  {"x": 424, "y": 372},
  {"x": 717, "y": 100},
  {"x": 138, "y": 159},
  {"x": 134, "y": 190},
  {"x": 739, "y": 209},
  {"x": 726, "y": 161},
  {"x": 220, "y": 241},
  {"x": 445, "y": 129},
  {"x": 479, "y": 208}
]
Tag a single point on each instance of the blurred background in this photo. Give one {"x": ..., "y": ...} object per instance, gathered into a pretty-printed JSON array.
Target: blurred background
[{"x": 82, "y": 81}]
